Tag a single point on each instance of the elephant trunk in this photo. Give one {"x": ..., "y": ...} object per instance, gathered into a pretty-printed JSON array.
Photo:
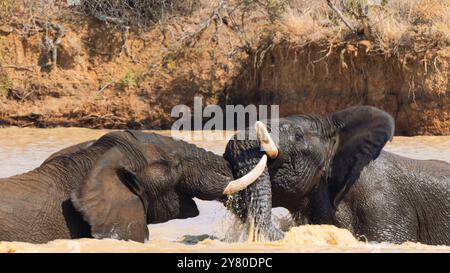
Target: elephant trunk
[
  {"x": 255, "y": 203},
  {"x": 208, "y": 176},
  {"x": 259, "y": 198}
]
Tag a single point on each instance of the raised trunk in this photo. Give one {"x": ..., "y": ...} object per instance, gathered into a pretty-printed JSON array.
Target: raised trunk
[
  {"x": 254, "y": 204},
  {"x": 259, "y": 217}
]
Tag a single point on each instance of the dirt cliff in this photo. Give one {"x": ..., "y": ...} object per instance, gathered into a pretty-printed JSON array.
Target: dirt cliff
[
  {"x": 108, "y": 77},
  {"x": 413, "y": 87}
]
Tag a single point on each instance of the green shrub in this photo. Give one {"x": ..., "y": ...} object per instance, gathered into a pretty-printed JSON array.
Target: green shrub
[{"x": 131, "y": 79}]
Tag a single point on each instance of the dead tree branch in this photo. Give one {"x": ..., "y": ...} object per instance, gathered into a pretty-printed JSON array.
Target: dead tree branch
[
  {"x": 104, "y": 87},
  {"x": 190, "y": 39},
  {"x": 125, "y": 35},
  {"x": 340, "y": 15},
  {"x": 18, "y": 67},
  {"x": 51, "y": 45}
]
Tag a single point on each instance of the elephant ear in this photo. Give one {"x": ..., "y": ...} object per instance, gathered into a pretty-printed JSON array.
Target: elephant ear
[
  {"x": 110, "y": 199},
  {"x": 362, "y": 132}
]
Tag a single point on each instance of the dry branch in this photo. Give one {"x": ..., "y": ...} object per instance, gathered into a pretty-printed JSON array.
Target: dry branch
[
  {"x": 190, "y": 39},
  {"x": 51, "y": 45},
  {"x": 18, "y": 67},
  {"x": 104, "y": 87},
  {"x": 340, "y": 15}
]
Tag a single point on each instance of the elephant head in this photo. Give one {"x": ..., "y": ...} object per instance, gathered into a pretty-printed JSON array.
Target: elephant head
[
  {"x": 141, "y": 178},
  {"x": 314, "y": 163}
]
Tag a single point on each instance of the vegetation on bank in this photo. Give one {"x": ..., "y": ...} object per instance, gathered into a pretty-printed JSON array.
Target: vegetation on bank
[
  {"x": 387, "y": 24},
  {"x": 112, "y": 63}
]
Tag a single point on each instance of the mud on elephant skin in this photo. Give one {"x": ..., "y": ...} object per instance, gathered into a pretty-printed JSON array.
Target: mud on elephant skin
[
  {"x": 332, "y": 170},
  {"x": 112, "y": 188}
]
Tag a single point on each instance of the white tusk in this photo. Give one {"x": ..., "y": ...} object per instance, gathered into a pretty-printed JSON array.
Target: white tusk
[
  {"x": 266, "y": 141},
  {"x": 243, "y": 182}
]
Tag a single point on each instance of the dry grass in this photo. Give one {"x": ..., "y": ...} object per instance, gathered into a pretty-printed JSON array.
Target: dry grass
[
  {"x": 430, "y": 11},
  {"x": 6, "y": 8},
  {"x": 391, "y": 24},
  {"x": 141, "y": 13},
  {"x": 30, "y": 8},
  {"x": 306, "y": 25}
]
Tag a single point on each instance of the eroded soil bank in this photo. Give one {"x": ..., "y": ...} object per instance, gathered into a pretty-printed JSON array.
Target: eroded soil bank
[
  {"x": 104, "y": 77},
  {"x": 412, "y": 85}
]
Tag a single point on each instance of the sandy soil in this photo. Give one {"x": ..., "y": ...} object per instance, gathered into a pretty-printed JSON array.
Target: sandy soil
[{"x": 312, "y": 238}]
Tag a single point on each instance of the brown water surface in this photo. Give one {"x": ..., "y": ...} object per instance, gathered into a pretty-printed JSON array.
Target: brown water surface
[{"x": 22, "y": 150}]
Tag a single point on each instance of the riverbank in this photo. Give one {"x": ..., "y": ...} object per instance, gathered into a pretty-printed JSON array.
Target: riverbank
[{"x": 303, "y": 57}]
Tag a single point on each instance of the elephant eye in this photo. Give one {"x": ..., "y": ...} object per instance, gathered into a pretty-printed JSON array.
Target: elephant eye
[{"x": 298, "y": 137}]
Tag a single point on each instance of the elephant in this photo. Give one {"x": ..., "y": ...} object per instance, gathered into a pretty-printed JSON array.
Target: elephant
[
  {"x": 114, "y": 187},
  {"x": 332, "y": 170}
]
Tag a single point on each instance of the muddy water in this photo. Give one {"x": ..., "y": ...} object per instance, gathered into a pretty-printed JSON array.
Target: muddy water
[{"x": 22, "y": 150}]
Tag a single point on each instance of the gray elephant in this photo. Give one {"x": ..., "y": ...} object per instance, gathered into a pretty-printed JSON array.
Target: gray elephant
[
  {"x": 332, "y": 170},
  {"x": 112, "y": 188}
]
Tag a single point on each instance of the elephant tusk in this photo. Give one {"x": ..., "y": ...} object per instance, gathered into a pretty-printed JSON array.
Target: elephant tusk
[
  {"x": 266, "y": 141},
  {"x": 243, "y": 182}
]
